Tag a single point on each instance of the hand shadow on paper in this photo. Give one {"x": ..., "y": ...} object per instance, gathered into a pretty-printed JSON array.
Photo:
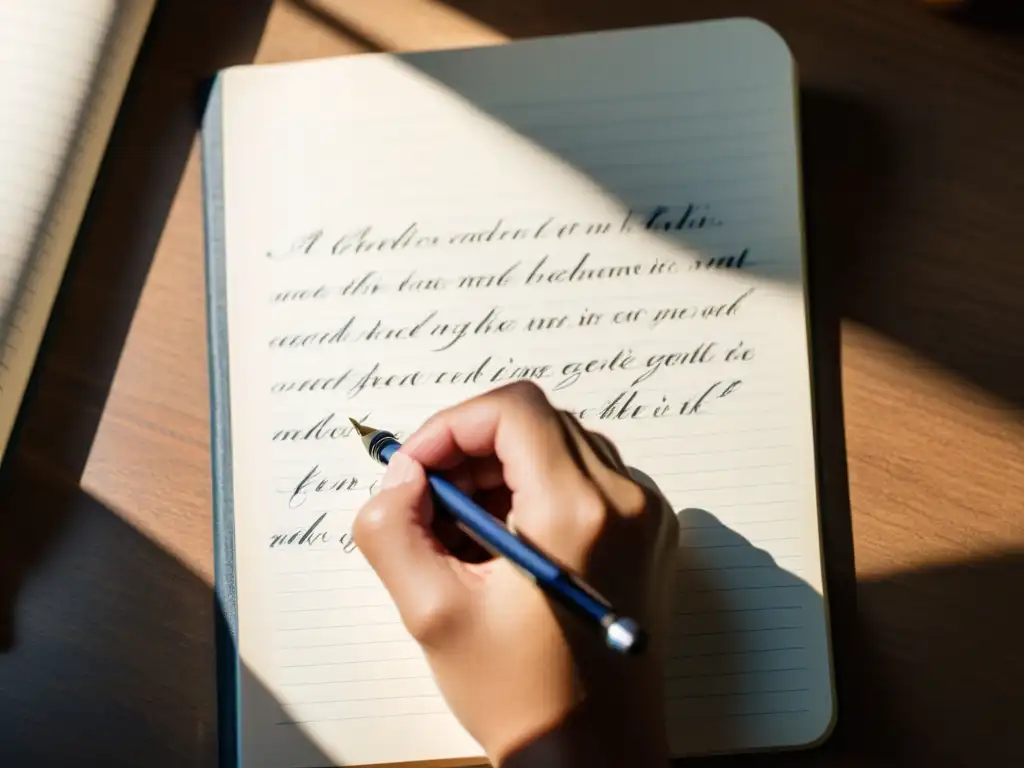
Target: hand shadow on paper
[{"x": 743, "y": 664}]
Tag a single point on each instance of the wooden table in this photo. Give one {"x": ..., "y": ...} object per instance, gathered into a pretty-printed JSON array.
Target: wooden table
[{"x": 914, "y": 147}]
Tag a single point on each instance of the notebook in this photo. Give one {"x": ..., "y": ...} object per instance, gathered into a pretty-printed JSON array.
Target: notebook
[
  {"x": 64, "y": 66},
  {"x": 615, "y": 216}
]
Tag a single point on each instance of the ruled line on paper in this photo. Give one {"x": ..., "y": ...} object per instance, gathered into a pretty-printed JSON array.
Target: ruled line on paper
[
  {"x": 387, "y": 716},
  {"x": 770, "y": 253},
  {"x": 319, "y": 664},
  {"x": 345, "y": 681},
  {"x": 311, "y": 702},
  {"x": 321, "y": 590},
  {"x": 591, "y": 140},
  {"x": 751, "y": 588},
  {"x": 662, "y": 474},
  {"x": 756, "y": 521},
  {"x": 741, "y": 673},
  {"x": 340, "y": 605},
  {"x": 362, "y": 643},
  {"x": 745, "y": 652},
  {"x": 749, "y": 609},
  {"x": 745, "y": 544},
  {"x": 744, "y": 630},
  {"x": 359, "y": 377},
  {"x": 708, "y": 181},
  {"x": 679, "y": 95},
  {"x": 733, "y": 714},
  {"x": 724, "y": 294},
  {"x": 429, "y": 204},
  {"x": 680, "y": 434},
  {"x": 317, "y": 628},
  {"x": 736, "y": 694},
  {"x": 399, "y": 126}
]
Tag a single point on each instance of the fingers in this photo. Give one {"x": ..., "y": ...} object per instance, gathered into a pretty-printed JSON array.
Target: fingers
[
  {"x": 565, "y": 481},
  {"x": 601, "y": 445},
  {"x": 477, "y": 475},
  {"x": 516, "y": 424},
  {"x": 393, "y": 532},
  {"x": 602, "y": 462}
]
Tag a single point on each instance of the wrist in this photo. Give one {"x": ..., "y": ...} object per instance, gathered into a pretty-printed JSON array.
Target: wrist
[{"x": 598, "y": 734}]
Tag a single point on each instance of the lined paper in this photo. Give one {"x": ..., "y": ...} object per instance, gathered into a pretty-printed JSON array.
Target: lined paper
[
  {"x": 64, "y": 65},
  {"x": 403, "y": 232}
]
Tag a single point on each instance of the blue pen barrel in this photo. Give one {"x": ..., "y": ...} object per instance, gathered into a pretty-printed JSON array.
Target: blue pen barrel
[
  {"x": 387, "y": 450},
  {"x": 482, "y": 525},
  {"x": 492, "y": 533}
]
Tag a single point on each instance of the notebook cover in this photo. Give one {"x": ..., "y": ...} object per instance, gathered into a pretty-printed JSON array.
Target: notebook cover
[{"x": 226, "y": 604}]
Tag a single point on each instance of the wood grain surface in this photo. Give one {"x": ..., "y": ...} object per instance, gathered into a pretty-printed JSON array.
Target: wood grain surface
[{"x": 913, "y": 133}]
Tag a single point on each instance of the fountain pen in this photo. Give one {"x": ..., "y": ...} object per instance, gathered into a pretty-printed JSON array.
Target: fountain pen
[{"x": 621, "y": 634}]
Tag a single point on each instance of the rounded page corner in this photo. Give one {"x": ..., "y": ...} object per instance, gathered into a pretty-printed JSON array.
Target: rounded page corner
[
  {"x": 767, "y": 34},
  {"x": 822, "y": 733}
]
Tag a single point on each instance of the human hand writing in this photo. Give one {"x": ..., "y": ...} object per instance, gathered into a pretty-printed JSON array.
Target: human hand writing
[{"x": 531, "y": 684}]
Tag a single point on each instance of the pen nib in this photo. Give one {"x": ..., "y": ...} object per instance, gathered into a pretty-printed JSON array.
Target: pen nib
[{"x": 363, "y": 431}]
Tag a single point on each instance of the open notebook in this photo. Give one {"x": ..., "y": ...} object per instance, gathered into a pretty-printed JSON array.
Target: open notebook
[
  {"x": 614, "y": 215},
  {"x": 64, "y": 66}
]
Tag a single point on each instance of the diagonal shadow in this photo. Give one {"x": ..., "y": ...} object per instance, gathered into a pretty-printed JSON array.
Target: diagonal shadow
[
  {"x": 115, "y": 659},
  {"x": 336, "y": 24},
  {"x": 921, "y": 214},
  {"x": 942, "y": 690},
  {"x": 952, "y": 671}
]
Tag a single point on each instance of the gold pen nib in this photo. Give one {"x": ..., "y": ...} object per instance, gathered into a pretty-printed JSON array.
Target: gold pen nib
[{"x": 363, "y": 431}]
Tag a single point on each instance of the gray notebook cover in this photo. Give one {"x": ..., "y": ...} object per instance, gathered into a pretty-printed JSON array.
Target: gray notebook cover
[{"x": 220, "y": 438}]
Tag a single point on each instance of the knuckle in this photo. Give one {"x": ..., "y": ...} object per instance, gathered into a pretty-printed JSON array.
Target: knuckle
[
  {"x": 609, "y": 448},
  {"x": 527, "y": 392},
  {"x": 631, "y": 499},
  {"x": 433, "y": 423},
  {"x": 525, "y": 388},
  {"x": 591, "y": 513},
  {"x": 657, "y": 520},
  {"x": 430, "y": 620},
  {"x": 369, "y": 523}
]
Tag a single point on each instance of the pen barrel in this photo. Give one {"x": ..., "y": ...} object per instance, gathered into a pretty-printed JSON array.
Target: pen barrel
[
  {"x": 382, "y": 446},
  {"x": 494, "y": 536}
]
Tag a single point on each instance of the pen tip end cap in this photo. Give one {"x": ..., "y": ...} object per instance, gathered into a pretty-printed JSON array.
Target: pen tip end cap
[{"x": 625, "y": 636}]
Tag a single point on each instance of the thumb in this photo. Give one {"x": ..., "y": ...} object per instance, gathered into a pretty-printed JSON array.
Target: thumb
[{"x": 393, "y": 532}]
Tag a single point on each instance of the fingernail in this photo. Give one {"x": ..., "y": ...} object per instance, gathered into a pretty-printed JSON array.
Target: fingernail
[{"x": 401, "y": 469}]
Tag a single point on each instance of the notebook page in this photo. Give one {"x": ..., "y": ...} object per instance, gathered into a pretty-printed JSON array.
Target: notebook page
[
  {"x": 615, "y": 216},
  {"x": 64, "y": 65}
]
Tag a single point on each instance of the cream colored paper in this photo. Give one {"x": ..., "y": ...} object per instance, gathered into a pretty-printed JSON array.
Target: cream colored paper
[
  {"x": 64, "y": 65},
  {"x": 475, "y": 216}
]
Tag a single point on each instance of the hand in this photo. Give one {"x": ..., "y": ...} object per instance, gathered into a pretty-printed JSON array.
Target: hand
[{"x": 531, "y": 685}]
